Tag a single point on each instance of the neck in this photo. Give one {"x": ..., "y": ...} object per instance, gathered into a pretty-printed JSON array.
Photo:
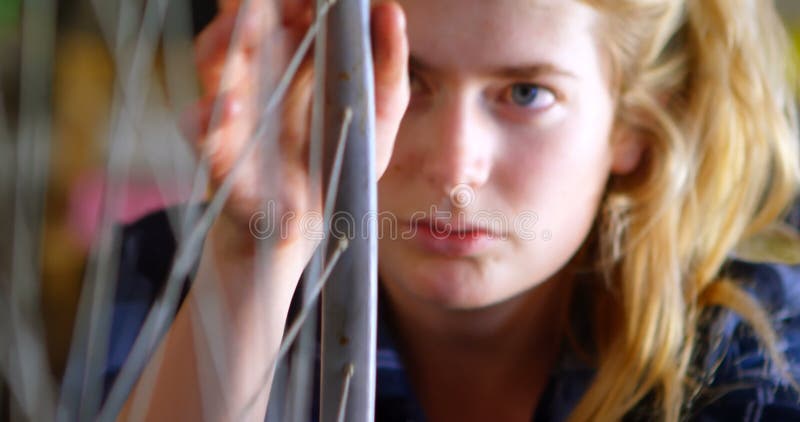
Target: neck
[
  {"x": 513, "y": 344},
  {"x": 519, "y": 322}
]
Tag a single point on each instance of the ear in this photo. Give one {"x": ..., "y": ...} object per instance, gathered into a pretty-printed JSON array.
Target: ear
[{"x": 627, "y": 149}]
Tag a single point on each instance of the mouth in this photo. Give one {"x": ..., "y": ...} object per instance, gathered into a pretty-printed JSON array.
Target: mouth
[
  {"x": 450, "y": 238},
  {"x": 448, "y": 228}
]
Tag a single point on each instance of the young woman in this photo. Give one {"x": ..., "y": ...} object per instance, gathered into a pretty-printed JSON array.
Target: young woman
[{"x": 648, "y": 137}]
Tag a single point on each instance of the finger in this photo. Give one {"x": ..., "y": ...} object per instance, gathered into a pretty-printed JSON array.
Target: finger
[
  {"x": 197, "y": 120},
  {"x": 266, "y": 9},
  {"x": 223, "y": 76},
  {"x": 297, "y": 112},
  {"x": 193, "y": 121},
  {"x": 224, "y": 50},
  {"x": 292, "y": 12},
  {"x": 226, "y": 139},
  {"x": 225, "y": 5},
  {"x": 215, "y": 39},
  {"x": 390, "y": 55},
  {"x": 214, "y": 42},
  {"x": 297, "y": 13}
]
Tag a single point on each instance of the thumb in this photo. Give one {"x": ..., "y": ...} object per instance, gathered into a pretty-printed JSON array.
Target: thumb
[
  {"x": 390, "y": 55},
  {"x": 225, "y": 5}
]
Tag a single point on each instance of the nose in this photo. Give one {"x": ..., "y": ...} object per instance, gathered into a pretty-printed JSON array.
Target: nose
[{"x": 460, "y": 151}]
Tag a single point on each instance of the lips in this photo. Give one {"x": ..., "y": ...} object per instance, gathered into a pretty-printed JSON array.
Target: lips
[
  {"x": 446, "y": 229},
  {"x": 450, "y": 239}
]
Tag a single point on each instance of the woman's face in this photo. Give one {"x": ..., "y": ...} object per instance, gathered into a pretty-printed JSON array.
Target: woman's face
[{"x": 503, "y": 154}]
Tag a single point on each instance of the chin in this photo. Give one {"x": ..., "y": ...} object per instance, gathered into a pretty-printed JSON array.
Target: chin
[
  {"x": 447, "y": 283},
  {"x": 468, "y": 283},
  {"x": 455, "y": 294}
]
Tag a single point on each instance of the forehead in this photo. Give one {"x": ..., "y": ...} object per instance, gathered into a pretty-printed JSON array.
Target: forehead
[{"x": 487, "y": 33}]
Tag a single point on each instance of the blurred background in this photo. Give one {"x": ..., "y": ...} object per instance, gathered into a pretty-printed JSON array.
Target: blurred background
[
  {"x": 81, "y": 109},
  {"x": 86, "y": 95}
]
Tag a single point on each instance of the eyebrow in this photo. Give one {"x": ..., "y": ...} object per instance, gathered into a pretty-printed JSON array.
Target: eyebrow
[{"x": 509, "y": 72}]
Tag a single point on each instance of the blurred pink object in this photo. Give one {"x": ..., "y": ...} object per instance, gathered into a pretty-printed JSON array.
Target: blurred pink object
[{"x": 139, "y": 198}]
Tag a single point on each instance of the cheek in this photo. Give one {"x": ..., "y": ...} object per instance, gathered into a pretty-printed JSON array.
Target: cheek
[
  {"x": 414, "y": 139},
  {"x": 403, "y": 166},
  {"x": 564, "y": 161},
  {"x": 559, "y": 175}
]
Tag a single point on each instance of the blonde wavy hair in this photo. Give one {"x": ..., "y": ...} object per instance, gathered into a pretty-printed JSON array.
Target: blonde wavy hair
[{"x": 708, "y": 85}]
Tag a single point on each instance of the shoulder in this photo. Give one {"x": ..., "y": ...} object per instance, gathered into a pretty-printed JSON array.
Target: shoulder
[
  {"x": 741, "y": 381},
  {"x": 147, "y": 249}
]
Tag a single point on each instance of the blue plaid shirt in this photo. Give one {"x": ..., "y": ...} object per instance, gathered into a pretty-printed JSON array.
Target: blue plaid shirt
[{"x": 741, "y": 384}]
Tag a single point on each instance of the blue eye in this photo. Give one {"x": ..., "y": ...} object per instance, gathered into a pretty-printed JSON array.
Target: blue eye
[
  {"x": 530, "y": 96},
  {"x": 524, "y": 94}
]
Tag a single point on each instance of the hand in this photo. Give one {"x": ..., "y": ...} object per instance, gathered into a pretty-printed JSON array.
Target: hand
[{"x": 268, "y": 37}]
